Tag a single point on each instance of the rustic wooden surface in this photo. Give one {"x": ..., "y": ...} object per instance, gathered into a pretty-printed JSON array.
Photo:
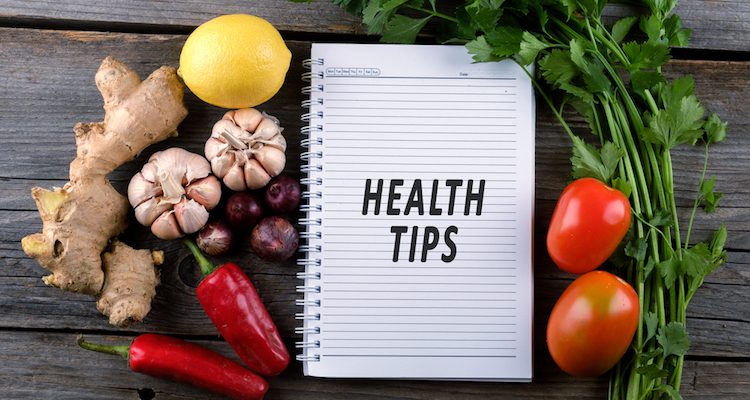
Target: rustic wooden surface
[{"x": 46, "y": 86}]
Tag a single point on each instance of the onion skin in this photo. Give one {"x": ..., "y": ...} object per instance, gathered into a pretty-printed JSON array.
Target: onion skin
[
  {"x": 283, "y": 194},
  {"x": 274, "y": 239},
  {"x": 215, "y": 239}
]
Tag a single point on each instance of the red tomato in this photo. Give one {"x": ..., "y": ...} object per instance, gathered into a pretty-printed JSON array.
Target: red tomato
[
  {"x": 592, "y": 324},
  {"x": 589, "y": 221}
]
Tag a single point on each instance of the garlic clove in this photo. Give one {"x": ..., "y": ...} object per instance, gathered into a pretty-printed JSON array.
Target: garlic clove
[
  {"x": 223, "y": 125},
  {"x": 255, "y": 175},
  {"x": 140, "y": 190},
  {"x": 235, "y": 178},
  {"x": 191, "y": 216},
  {"x": 149, "y": 171},
  {"x": 221, "y": 165},
  {"x": 151, "y": 209},
  {"x": 267, "y": 129},
  {"x": 278, "y": 142},
  {"x": 214, "y": 148},
  {"x": 272, "y": 159},
  {"x": 206, "y": 191},
  {"x": 196, "y": 167},
  {"x": 246, "y": 118},
  {"x": 272, "y": 118},
  {"x": 166, "y": 227}
]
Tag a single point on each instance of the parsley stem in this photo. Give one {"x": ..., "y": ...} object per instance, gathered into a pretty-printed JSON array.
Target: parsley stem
[
  {"x": 611, "y": 44},
  {"x": 697, "y": 198},
  {"x": 669, "y": 184},
  {"x": 616, "y": 133},
  {"x": 547, "y": 100},
  {"x": 433, "y": 13},
  {"x": 650, "y": 100}
]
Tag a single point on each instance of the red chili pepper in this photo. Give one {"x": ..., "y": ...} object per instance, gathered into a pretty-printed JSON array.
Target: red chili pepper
[
  {"x": 231, "y": 301},
  {"x": 179, "y": 361}
]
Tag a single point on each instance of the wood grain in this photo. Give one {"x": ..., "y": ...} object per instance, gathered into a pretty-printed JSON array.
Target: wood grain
[
  {"x": 45, "y": 92},
  {"x": 320, "y": 16},
  {"x": 50, "y": 365},
  {"x": 716, "y": 24}
]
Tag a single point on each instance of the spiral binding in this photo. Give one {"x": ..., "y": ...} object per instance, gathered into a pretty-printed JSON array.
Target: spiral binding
[{"x": 312, "y": 144}]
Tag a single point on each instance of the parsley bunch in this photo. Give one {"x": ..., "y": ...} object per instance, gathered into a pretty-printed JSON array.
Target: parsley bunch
[{"x": 636, "y": 116}]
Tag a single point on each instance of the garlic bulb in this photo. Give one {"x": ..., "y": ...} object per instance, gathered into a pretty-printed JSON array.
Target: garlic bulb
[
  {"x": 173, "y": 193},
  {"x": 246, "y": 149}
]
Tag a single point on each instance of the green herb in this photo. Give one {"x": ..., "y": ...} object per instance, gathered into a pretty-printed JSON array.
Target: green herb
[{"x": 635, "y": 114}]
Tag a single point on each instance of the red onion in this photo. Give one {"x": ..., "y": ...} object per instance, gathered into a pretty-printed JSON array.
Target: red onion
[
  {"x": 274, "y": 239},
  {"x": 243, "y": 211},
  {"x": 215, "y": 238},
  {"x": 283, "y": 194}
]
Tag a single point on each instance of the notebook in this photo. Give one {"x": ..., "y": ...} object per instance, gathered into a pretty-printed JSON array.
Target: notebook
[{"x": 419, "y": 166}]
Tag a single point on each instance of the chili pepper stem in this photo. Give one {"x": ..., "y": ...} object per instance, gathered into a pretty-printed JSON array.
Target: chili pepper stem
[
  {"x": 207, "y": 267},
  {"x": 122, "y": 351}
]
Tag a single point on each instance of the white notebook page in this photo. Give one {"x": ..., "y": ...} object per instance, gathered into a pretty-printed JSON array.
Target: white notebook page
[{"x": 397, "y": 114}]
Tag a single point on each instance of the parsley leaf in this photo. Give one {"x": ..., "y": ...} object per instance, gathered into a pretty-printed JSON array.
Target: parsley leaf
[
  {"x": 636, "y": 249},
  {"x": 375, "y": 17},
  {"x": 484, "y": 14},
  {"x": 670, "y": 391},
  {"x": 679, "y": 123},
  {"x": 651, "y": 354},
  {"x": 623, "y": 186},
  {"x": 557, "y": 68},
  {"x": 403, "y": 29},
  {"x": 592, "y": 70},
  {"x": 715, "y": 128},
  {"x": 570, "y": 5},
  {"x": 530, "y": 48},
  {"x": 392, "y": 4},
  {"x": 642, "y": 80},
  {"x": 621, "y": 28},
  {"x": 352, "y": 6},
  {"x": 677, "y": 90},
  {"x": 673, "y": 338},
  {"x": 669, "y": 270},
  {"x": 675, "y": 33},
  {"x": 505, "y": 41},
  {"x": 648, "y": 268},
  {"x": 652, "y": 371},
  {"x": 697, "y": 262},
  {"x": 646, "y": 55},
  {"x": 719, "y": 239},
  {"x": 709, "y": 198},
  {"x": 481, "y": 50},
  {"x": 588, "y": 161},
  {"x": 661, "y": 218},
  {"x": 559, "y": 71},
  {"x": 652, "y": 27}
]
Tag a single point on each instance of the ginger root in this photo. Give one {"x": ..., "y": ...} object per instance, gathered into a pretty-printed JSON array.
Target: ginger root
[
  {"x": 130, "y": 285},
  {"x": 80, "y": 219}
]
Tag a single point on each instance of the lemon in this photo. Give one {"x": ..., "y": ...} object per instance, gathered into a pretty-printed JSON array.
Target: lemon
[{"x": 234, "y": 61}]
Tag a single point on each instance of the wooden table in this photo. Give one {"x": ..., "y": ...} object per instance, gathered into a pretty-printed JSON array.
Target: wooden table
[{"x": 49, "y": 52}]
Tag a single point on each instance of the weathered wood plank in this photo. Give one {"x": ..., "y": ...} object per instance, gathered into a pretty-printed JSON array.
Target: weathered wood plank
[
  {"x": 51, "y": 91},
  {"x": 716, "y": 24},
  {"x": 718, "y": 316},
  {"x": 57, "y": 89},
  {"x": 322, "y": 16},
  {"x": 61, "y": 84},
  {"x": 50, "y": 365}
]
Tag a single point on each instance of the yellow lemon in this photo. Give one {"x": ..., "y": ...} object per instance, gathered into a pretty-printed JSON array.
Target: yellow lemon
[{"x": 234, "y": 61}]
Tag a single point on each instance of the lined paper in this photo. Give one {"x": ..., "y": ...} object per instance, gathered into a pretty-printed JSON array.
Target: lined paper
[{"x": 423, "y": 113}]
